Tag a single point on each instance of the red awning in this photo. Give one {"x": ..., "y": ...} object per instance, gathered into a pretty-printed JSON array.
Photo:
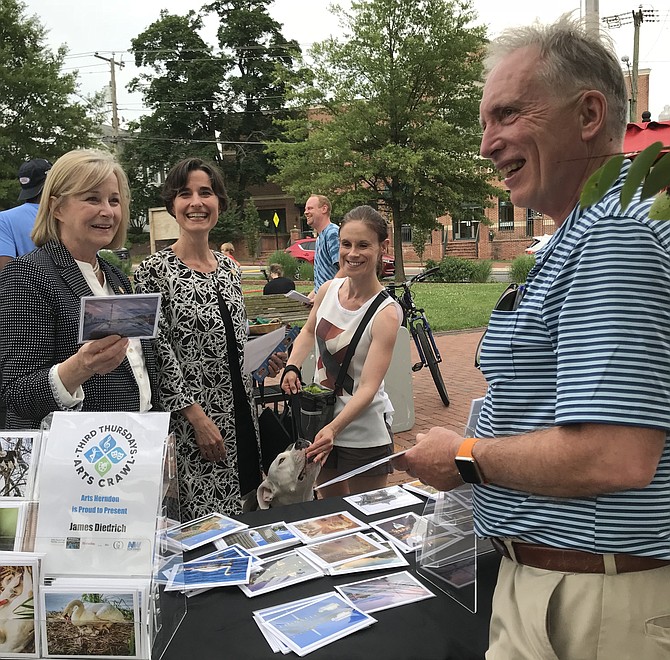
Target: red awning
[{"x": 640, "y": 136}]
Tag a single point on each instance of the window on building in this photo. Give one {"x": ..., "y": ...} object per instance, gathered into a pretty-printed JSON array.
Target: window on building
[
  {"x": 505, "y": 213},
  {"x": 531, "y": 216},
  {"x": 406, "y": 233}
]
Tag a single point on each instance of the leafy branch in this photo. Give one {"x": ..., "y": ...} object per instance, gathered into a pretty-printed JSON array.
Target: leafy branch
[{"x": 652, "y": 175}]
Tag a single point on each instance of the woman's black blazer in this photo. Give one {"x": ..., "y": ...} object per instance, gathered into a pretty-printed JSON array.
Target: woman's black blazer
[{"x": 40, "y": 296}]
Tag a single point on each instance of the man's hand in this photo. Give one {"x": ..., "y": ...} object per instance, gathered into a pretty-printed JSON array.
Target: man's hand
[
  {"x": 432, "y": 459},
  {"x": 276, "y": 363}
]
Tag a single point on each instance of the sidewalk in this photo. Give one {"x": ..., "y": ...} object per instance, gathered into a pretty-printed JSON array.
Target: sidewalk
[{"x": 463, "y": 382}]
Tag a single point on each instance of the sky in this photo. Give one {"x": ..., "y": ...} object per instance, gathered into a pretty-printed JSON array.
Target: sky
[{"x": 107, "y": 28}]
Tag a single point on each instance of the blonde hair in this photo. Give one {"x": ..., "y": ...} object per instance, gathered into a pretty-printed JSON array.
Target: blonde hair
[
  {"x": 227, "y": 247},
  {"x": 74, "y": 173}
]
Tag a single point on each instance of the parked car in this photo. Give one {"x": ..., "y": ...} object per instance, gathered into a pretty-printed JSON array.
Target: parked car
[
  {"x": 538, "y": 243},
  {"x": 303, "y": 250}
]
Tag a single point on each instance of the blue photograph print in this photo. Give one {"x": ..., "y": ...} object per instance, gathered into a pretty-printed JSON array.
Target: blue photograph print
[
  {"x": 320, "y": 622},
  {"x": 211, "y": 573}
]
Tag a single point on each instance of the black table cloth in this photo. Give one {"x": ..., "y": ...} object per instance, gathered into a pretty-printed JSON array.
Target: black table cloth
[{"x": 218, "y": 624}]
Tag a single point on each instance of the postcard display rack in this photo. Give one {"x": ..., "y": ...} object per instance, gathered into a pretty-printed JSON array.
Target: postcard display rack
[
  {"x": 448, "y": 554},
  {"x": 83, "y": 505}
]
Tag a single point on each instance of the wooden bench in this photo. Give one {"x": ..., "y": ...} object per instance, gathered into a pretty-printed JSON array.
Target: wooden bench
[{"x": 276, "y": 306}]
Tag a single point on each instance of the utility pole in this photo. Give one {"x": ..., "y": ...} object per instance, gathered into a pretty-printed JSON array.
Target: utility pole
[
  {"x": 112, "y": 85},
  {"x": 592, "y": 16},
  {"x": 636, "y": 18}
]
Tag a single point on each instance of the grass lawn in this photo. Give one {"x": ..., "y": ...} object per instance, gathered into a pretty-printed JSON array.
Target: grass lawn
[{"x": 448, "y": 306}]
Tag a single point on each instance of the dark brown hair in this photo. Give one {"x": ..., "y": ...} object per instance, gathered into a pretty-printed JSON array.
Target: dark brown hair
[
  {"x": 178, "y": 176},
  {"x": 371, "y": 218}
]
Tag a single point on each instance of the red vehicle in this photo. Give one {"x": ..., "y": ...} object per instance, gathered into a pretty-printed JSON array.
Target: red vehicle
[{"x": 303, "y": 250}]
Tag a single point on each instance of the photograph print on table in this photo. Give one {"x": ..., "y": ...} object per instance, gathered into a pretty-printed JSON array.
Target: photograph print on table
[
  {"x": 417, "y": 486},
  {"x": 318, "y": 623},
  {"x": 203, "y": 530},
  {"x": 406, "y": 530},
  {"x": 381, "y": 593},
  {"x": 343, "y": 548},
  {"x": 261, "y": 540},
  {"x": 389, "y": 558},
  {"x": 103, "y": 624},
  {"x": 279, "y": 572},
  {"x": 208, "y": 573},
  {"x": 19, "y": 452},
  {"x": 326, "y": 527},
  {"x": 382, "y": 499},
  {"x": 19, "y": 616}
]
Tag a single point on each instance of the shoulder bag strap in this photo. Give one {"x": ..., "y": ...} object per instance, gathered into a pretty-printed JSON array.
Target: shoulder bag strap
[{"x": 381, "y": 296}]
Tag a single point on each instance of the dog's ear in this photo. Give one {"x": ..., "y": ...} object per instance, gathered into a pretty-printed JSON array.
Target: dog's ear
[{"x": 265, "y": 494}]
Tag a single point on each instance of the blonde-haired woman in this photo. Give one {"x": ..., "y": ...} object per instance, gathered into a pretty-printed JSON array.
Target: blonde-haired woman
[{"x": 85, "y": 206}]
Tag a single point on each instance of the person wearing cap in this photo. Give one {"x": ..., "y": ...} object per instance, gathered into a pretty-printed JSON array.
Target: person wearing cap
[{"x": 16, "y": 224}]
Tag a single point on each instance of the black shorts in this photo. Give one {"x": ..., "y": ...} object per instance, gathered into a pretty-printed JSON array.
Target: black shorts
[{"x": 345, "y": 459}]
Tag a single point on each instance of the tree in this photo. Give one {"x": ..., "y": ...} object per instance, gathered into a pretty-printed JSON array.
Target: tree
[
  {"x": 397, "y": 120},
  {"x": 217, "y": 103},
  {"x": 38, "y": 118}
]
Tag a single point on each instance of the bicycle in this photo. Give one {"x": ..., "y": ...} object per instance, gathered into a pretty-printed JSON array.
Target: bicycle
[{"x": 414, "y": 319}]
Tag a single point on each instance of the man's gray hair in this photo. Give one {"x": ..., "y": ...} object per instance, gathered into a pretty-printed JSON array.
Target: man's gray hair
[{"x": 573, "y": 60}]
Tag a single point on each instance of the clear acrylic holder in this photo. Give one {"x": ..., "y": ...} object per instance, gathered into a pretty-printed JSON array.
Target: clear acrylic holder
[
  {"x": 132, "y": 586},
  {"x": 448, "y": 555}
]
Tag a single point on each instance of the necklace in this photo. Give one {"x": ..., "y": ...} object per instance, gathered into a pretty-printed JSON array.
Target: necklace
[{"x": 96, "y": 267}]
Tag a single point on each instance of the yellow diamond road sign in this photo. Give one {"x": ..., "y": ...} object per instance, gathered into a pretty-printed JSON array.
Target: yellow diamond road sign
[{"x": 275, "y": 219}]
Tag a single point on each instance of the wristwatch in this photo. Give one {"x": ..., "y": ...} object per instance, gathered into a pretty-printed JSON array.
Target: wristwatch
[{"x": 467, "y": 465}]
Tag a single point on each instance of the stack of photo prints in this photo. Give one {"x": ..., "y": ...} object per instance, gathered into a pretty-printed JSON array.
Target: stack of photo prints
[{"x": 264, "y": 559}]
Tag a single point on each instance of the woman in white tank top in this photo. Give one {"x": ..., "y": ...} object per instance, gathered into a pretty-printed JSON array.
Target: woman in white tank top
[{"x": 358, "y": 434}]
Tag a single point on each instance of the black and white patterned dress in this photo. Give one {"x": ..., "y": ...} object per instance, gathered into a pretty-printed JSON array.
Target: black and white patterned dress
[{"x": 194, "y": 359}]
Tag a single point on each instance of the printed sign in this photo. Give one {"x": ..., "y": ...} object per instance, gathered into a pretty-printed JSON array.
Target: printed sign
[{"x": 99, "y": 493}]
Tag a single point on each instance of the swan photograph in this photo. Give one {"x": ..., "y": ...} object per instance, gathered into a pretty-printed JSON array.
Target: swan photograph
[
  {"x": 90, "y": 624},
  {"x": 17, "y": 610}
]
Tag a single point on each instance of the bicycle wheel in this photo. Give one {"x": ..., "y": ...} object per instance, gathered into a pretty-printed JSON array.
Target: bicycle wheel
[{"x": 429, "y": 356}]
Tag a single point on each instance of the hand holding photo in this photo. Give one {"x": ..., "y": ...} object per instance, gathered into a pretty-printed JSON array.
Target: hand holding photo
[{"x": 134, "y": 316}]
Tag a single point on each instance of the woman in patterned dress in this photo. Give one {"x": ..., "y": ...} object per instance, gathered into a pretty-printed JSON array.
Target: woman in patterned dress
[{"x": 202, "y": 333}]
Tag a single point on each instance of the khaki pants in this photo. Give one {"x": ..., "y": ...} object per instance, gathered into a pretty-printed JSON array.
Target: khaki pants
[{"x": 545, "y": 615}]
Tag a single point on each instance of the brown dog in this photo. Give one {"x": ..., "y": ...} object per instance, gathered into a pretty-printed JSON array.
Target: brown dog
[{"x": 290, "y": 478}]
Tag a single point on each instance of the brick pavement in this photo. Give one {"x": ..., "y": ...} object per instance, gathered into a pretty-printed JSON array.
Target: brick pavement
[{"x": 463, "y": 382}]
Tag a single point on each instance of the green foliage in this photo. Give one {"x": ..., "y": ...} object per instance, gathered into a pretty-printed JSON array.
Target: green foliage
[
  {"x": 136, "y": 236},
  {"x": 601, "y": 181},
  {"x": 38, "y": 115},
  {"x": 251, "y": 224},
  {"x": 288, "y": 263},
  {"x": 215, "y": 102},
  {"x": 421, "y": 236},
  {"x": 229, "y": 227},
  {"x": 638, "y": 170},
  {"x": 520, "y": 267},
  {"x": 455, "y": 269},
  {"x": 397, "y": 125},
  {"x": 654, "y": 177},
  {"x": 481, "y": 270},
  {"x": 110, "y": 257},
  {"x": 305, "y": 271}
]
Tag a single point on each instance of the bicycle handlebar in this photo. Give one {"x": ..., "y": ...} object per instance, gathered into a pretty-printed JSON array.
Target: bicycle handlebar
[{"x": 419, "y": 277}]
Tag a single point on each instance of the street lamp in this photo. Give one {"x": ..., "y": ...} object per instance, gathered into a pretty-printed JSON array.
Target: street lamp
[{"x": 636, "y": 18}]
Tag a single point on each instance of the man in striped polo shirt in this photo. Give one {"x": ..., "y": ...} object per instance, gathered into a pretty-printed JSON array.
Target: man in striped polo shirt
[
  {"x": 571, "y": 459},
  {"x": 327, "y": 254}
]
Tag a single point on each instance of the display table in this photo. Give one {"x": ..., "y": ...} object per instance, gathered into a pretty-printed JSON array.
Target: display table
[{"x": 219, "y": 623}]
